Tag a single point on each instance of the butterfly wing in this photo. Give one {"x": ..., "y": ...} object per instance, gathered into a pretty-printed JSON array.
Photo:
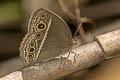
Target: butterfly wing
[{"x": 56, "y": 38}]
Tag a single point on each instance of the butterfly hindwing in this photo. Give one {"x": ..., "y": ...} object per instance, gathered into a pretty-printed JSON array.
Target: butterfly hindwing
[{"x": 49, "y": 33}]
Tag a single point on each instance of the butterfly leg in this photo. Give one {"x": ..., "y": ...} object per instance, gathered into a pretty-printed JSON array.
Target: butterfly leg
[
  {"x": 38, "y": 63},
  {"x": 75, "y": 56},
  {"x": 60, "y": 61}
]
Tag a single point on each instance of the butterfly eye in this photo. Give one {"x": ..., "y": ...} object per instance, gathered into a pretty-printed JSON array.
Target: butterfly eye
[
  {"x": 32, "y": 49},
  {"x": 41, "y": 26}
]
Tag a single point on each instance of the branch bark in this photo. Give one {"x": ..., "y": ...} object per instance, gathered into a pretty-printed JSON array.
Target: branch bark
[{"x": 82, "y": 57}]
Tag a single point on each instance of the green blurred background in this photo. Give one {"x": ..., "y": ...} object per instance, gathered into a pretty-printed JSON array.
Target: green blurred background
[
  {"x": 10, "y": 11},
  {"x": 11, "y": 19}
]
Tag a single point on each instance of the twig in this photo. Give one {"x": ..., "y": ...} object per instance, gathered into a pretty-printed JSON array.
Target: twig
[
  {"x": 65, "y": 9},
  {"x": 78, "y": 18},
  {"x": 79, "y": 23}
]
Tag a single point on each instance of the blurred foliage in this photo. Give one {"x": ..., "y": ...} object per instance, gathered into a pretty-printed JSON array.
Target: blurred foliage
[{"x": 10, "y": 10}]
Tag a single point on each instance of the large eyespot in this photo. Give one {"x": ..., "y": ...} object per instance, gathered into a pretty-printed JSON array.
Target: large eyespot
[
  {"x": 41, "y": 26},
  {"x": 43, "y": 16},
  {"x": 32, "y": 49}
]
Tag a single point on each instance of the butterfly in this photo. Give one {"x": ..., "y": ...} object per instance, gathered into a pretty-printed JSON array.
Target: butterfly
[{"x": 48, "y": 36}]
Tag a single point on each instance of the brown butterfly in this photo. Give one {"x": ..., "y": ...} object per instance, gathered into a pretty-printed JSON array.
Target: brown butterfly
[{"x": 48, "y": 36}]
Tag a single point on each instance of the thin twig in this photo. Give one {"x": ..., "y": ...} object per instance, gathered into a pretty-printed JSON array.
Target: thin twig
[
  {"x": 65, "y": 9},
  {"x": 78, "y": 17},
  {"x": 77, "y": 30}
]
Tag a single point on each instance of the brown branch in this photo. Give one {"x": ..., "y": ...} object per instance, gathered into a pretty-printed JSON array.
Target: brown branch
[
  {"x": 79, "y": 58},
  {"x": 11, "y": 65}
]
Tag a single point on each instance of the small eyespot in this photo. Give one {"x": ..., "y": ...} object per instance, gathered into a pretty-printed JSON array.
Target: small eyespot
[
  {"x": 30, "y": 56},
  {"x": 31, "y": 49},
  {"x": 43, "y": 16},
  {"x": 41, "y": 26},
  {"x": 39, "y": 35},
  {"x": 31, "y": 44}
]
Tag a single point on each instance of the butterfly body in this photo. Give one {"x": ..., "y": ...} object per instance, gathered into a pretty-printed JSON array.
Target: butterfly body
[{"x": 48, "y": 36}]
